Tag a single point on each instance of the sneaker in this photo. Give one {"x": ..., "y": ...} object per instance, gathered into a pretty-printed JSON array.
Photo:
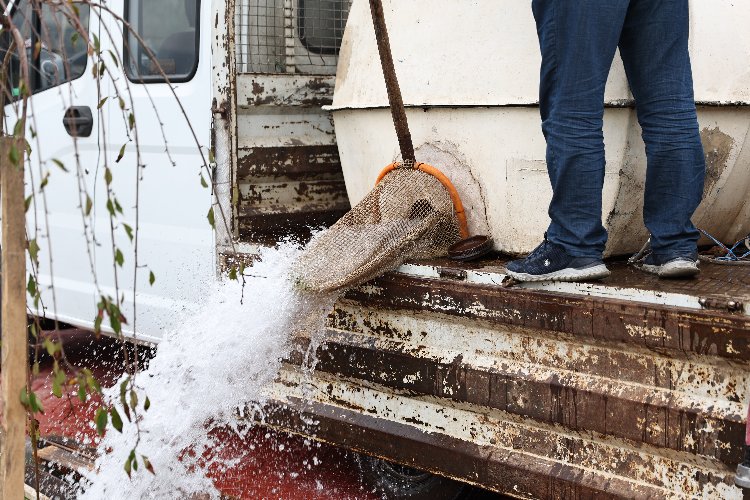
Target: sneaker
[
  {"x": 674, "y": 266},
  {"x": 550, "y": 262}
]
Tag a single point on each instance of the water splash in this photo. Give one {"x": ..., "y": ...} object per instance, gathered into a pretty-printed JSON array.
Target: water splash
[{"x": 216, "y": 358}]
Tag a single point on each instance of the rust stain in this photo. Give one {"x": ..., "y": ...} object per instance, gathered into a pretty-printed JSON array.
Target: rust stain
[{"x": 717, "y": 147}]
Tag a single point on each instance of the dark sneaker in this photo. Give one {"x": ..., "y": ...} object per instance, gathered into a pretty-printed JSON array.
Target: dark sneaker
[
  {"x": 673, "y": 266},
  {"x": 550, "y": 262}
]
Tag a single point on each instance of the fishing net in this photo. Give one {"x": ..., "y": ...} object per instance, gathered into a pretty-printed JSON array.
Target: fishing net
[{"x": 409, "y": 215}]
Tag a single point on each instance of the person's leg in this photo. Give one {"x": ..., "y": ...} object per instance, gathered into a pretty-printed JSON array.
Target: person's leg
[
  {"x": 654, "y": 48},
  {"x": 578, "y": 39}
]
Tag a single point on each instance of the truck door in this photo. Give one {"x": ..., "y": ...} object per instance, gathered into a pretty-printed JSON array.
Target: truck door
[
  {"x": 166, "y": 86},
  {"x": 148, "y": 167},
  {"x": 63, "y": 133}
]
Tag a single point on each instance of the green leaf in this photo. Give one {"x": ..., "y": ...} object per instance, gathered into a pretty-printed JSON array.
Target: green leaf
[
  {"x": 211, "y": 158},
  {"x": 116, "y": 420},
  {"x": 108, "y": 176},
  {"x": 82, "y": 390},
  {"x": 31, "y": 286},
  {"x": 120, "y": 154},
  {"x": 122, "y": 103},
  {"x": 97, "y": 45},
  {"x": 60, "y": 164},
  {"x": 128, "y": 230},
  {"x": 203, "y": 182},
  {"x": 18, "y": 128},
  {"x": 210, "y": 217},
  {"x": 24, "y": 397},
  {"x": 13, "y": 155},
  {"x": 58, "y": 380},
  {"x": 89, "y": 205},
  {"x": 98, "y": 321},
  {"x": 110, "y": 208},
  {"x": 101, "y": 103},
  {"x": 91, "y": 380},
  {"x": 114, "y": 322},
  {"x": 118, "y": 207},
  {"x": 74, "y": 37},
  {"x": 233, "y": 273},
  {"x": 114, "y": 58},
  {"x": 119, "y": 257},
  {"x": 147, "y": 404},
  {"x": 35, "y": 369},
  {"x": 131, "y": 120},
  {"x": 127, "y": 465},
  {"x": 36, "y": 403},
  {"x": 34, "y": 250},
  {"x": 151, "y": 278},
  {"x": 27, "y": 202},
  {"x": 133, "y": 400},
  {"x": 45, "y": 181},
  {"x": 147, "y": 464},
  {"x": 56, "y": 388},
  {"x": 101, "y": 420},
  {"x": 52, "y": 347}
]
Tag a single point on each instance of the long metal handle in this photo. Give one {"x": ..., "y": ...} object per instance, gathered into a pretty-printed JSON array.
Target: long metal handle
[{"x": 391, "y": 83}]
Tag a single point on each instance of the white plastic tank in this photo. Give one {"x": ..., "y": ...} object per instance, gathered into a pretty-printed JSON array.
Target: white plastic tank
[{"x": 469, "y": 74}]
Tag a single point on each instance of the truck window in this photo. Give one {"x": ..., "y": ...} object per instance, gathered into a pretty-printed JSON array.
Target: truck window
[
  {"x": 168, "y": 45},
  {"x": 321, "y": 24},
  {"x": 63, "y": 55}
]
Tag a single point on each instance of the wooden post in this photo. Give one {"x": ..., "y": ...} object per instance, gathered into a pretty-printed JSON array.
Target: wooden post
[{"x": 14, "y": 351}]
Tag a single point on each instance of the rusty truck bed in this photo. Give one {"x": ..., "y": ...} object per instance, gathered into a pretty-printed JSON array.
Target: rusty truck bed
[{"x": 630, "y": 387}]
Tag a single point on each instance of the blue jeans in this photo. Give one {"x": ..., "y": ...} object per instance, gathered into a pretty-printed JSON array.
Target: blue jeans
[{"x": 578, "y": 39}]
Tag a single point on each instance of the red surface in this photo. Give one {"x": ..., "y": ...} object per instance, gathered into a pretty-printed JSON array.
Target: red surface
[{"x": 265, "y": 464}]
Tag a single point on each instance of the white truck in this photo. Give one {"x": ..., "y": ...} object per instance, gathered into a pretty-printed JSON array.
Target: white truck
[{"x": 626, "y": 388}]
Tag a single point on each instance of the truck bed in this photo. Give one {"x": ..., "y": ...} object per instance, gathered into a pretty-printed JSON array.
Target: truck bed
[{"x": 630, "y": 387}]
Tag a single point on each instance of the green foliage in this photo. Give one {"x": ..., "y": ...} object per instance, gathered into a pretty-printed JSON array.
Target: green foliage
[
  {"x": 128, "y": 230},
  {"x": 33, "y": 248},
  {"x": 101, "y": 420},
  {"x": 119, "y": 156},
  {"x": 116, "y": 420},
  {"x": 60, "y": 164},
  {"x": 210, "y": 217},
  {"x": 31, "y": 401}
]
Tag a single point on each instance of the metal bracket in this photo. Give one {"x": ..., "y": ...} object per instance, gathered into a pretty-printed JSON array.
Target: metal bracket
[{"x": 720, "y": 304}]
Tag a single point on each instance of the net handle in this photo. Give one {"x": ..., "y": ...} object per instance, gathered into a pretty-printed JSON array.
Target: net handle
[{"x": 463, "y": 226}]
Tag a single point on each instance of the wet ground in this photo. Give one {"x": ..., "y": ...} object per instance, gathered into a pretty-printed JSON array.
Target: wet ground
[{"x": 263, "y": 465}]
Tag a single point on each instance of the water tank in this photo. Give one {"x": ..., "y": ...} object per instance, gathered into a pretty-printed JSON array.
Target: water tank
[{"x": 469, "y": 74}]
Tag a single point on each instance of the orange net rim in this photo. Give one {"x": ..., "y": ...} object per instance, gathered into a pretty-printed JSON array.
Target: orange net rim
[{"x": 463, "y": 227}]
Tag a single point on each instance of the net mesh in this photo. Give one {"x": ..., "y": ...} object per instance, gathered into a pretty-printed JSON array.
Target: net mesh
[{"x": 408, "y": 215}]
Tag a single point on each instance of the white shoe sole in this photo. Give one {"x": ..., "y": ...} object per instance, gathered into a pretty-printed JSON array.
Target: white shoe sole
[
  {"x": 674, "y": 269},
  {"x": 568, "y": 274}
]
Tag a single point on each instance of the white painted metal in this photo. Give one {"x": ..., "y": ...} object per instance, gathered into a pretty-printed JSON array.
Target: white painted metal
[
  {"x": 174, "y": 238},
  {"x": 495, "y": 431},
  {"x": 469, "y": 73},
  {"x": 645, "y": 296}
]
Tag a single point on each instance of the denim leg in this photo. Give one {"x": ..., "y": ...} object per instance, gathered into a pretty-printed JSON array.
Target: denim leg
[
  {"x": 578, "y": 39},
  {"x": 654, "y": 48}
]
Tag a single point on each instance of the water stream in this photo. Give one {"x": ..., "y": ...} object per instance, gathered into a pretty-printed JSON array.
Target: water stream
[{"x": 214, "y": 359}]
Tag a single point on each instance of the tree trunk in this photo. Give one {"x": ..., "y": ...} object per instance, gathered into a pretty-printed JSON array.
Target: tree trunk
[{"x": 14, "y": 361}]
